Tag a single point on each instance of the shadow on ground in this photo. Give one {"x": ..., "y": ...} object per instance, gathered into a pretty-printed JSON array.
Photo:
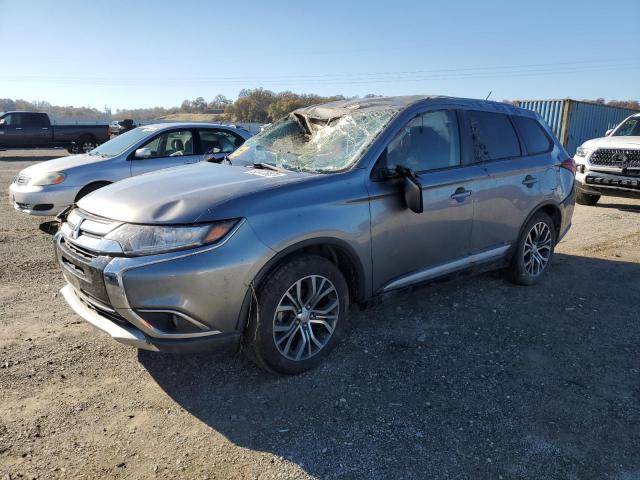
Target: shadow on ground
[
  {"x": 620, "y": 206},
  {"x": 50, "y": 227},
  {"x": 31, "y": 158},
  {"x": 473, "y": 378}
]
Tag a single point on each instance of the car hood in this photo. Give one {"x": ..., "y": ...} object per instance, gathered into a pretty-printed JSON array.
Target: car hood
[
  {"x": 63, "y": 163},
  {"x": 185, "y": 194},
  {"x": 613, "y": 142}
]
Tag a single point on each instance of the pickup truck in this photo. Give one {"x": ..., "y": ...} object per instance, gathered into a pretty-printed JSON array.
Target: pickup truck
[
  {"x": 35, "y": 130},
  {"x": 610, "y": 165}
]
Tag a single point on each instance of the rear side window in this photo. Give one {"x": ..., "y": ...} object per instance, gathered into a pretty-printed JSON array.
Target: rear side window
[
  {"x": 34, "y": 120},
  {"x": 533, "y": 136},
  {"x": 493, "y": 136},
  {"x": 218, "y": 141}
]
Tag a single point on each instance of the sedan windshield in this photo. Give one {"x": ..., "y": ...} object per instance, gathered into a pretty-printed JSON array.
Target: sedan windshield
[
  {"x": 119, "y": 144},
  {"x": 630, "y": 128},
  {"x": 321, "y": 146}
]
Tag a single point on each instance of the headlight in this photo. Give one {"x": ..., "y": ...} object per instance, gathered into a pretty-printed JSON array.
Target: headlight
[
  {"x": 153, "y": 239},
  {"x": 582, "y": 152},
  {"x": 52, "y": 178}
]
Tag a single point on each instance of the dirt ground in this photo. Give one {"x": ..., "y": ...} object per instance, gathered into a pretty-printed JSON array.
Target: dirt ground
[{"x": 473, "y": 378}]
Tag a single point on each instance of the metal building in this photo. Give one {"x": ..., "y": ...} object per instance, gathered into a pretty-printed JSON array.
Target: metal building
[{"x": 575, "y": 122}]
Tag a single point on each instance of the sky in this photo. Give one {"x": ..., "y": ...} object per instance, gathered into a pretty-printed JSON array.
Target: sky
[{"x": 134, "y": 54}]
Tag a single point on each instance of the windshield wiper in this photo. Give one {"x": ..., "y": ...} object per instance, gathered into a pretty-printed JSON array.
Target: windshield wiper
[{"x": 268, "y": 166}]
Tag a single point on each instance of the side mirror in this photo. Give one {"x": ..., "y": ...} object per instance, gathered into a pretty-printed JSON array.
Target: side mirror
[
  {"x": 413, "y": 193},
  {"x": 609, "y": 132},
  {"x": 142, "y": 153},
  {"x": 2, "y": 122}
]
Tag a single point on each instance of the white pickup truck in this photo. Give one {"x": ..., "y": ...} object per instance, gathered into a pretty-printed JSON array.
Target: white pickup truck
[{"x": 610, "y": 165}]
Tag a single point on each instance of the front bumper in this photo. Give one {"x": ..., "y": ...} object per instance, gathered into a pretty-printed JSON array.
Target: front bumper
[
  {"x": 42, "y": 201},
  {"x": 608, "y": 183},
  {"x": 202, "y": 291}
]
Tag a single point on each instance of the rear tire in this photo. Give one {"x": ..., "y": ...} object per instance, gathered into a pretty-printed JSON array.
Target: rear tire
[
  {"x": 85, "y": 144},
  {"x": 301, "y": 314},
  {"x": 586, "y": 198},
  {"x": 87, "y": 189},
  {"x": 534, "y": 250}
]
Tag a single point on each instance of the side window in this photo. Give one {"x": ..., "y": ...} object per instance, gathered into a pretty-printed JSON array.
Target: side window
[
  {"x": 534, "y": 137},
  {"x": 33, "y": 120},
  {"x": 171, "y": 144},
  {"x": 493, "y": 136},
  {"x": 218, "y": 141},
  {"x": 14, "y": 119},
  {"x": 428, "y": 142}
]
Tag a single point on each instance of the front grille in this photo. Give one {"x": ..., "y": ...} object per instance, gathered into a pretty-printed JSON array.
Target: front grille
[
  {"x": 616, "y": 158},
  {"x": 21, "y": 179},
  {"x": 77, "y": 249}
]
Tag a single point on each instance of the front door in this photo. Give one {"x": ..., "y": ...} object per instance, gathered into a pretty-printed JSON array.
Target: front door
[
  {"x": 168, "y": 149},
  {"x": 404, "y": 243},
  {"x": 13, "y": 132}
]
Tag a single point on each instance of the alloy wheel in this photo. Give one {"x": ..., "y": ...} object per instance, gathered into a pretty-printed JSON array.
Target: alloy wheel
[
  {"x": 306, "y": 317},
  {"x": 537, "y": 249},
  {"x": 87, "y": 147}
]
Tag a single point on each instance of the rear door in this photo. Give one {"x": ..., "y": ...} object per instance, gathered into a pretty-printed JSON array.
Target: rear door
[
  {"x": 406, "y": 243},
  {"x": 38, "y": 129},
  {"x": 513, "y": 187},
  {"x": 168, "y": 149}
]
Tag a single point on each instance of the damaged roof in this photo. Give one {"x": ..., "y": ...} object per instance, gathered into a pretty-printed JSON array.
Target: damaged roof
[
  {"x": 327, "y": 111},
  {"x": 332, "y": 110}
]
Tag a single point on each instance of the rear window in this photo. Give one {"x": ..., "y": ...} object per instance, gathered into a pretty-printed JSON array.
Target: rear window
[
  {"x": 493, "y": 136},
  {"x": 533, "y": 136}
]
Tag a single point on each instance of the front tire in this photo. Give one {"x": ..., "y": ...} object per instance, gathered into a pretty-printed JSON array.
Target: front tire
[
  {"x": 300, "y": 316},
  {"x": 534, "y": 250},
  {"x": 586, "y": 198}
]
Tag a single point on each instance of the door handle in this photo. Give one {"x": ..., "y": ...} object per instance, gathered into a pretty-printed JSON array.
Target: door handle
[
  {"x": 460, "y": 194},
  {"x": 45, "y": 128},
  {"x": 529, "y": 181},
  {"x": 18, "y": 128}
]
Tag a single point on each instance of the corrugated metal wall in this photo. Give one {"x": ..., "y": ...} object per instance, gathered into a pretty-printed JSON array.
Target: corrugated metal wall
[{"x": 575, "y": 122}]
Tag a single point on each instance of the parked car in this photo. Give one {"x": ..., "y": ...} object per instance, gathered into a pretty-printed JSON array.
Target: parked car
[
  {"x": 610, "y": 165},
  {"x": 126, "y": 125},
  {"x": 331, "y": 206},
  {"x": 34, "y": 130},
  {"x": 49, "y": 187},
  {"x": 115, "y": 127}
]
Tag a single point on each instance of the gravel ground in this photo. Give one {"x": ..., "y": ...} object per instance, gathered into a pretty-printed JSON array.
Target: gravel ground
[{"x": 473, "y": 378}]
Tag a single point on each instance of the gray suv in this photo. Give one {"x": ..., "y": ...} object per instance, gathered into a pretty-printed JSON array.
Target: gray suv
[{"x": 329, "y": 207}]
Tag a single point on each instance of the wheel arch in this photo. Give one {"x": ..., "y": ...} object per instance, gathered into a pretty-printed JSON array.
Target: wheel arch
[
  {"x": 339, "y": 252},
  {"x": 551, "y": 209},
  {"x": 89, "y": 186}
]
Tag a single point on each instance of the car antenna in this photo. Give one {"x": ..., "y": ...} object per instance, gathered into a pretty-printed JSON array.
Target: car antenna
[{"x": 489, "y": 94}]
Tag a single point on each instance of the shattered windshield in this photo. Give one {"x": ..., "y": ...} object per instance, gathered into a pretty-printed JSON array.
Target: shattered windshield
[{"x": 314, "y": 145}]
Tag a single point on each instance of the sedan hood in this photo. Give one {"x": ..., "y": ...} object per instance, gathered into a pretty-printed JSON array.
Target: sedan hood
[
  {"x": 63, "y": 163},
  {"x": 183, "y": 194}
]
